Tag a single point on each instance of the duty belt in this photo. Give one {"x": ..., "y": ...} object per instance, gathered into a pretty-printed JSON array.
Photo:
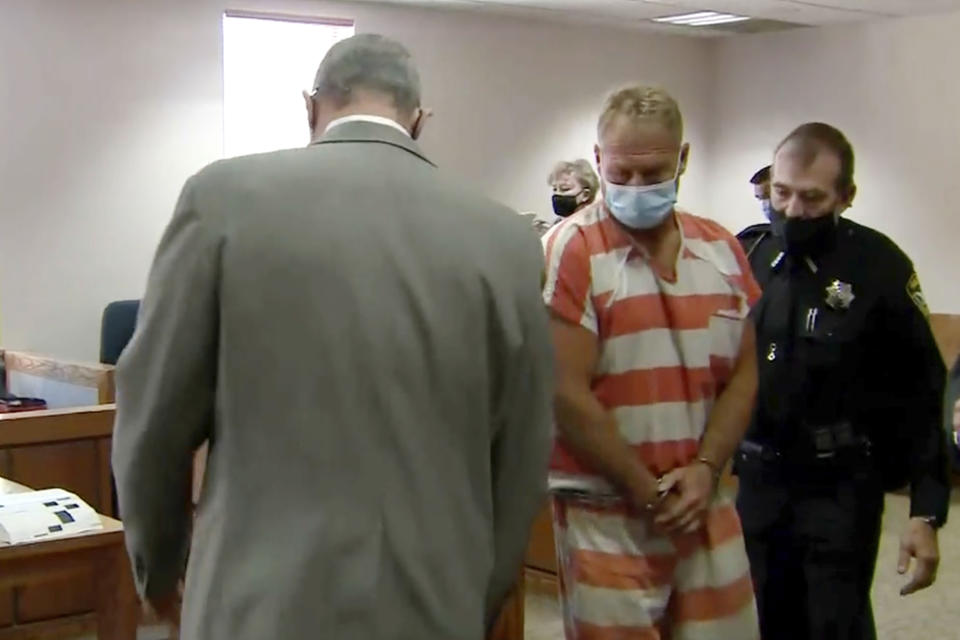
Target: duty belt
[{"x": 819, "y": 444}]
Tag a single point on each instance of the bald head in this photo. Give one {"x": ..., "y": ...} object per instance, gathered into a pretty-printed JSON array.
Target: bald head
[{"x": 365, "y": 74}]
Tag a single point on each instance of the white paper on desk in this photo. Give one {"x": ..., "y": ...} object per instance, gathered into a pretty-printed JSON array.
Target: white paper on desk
[{"x": 44, "y": 515}]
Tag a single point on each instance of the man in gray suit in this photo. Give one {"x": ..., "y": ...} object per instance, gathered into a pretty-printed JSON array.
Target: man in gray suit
[{"x": 363, "y": 343}]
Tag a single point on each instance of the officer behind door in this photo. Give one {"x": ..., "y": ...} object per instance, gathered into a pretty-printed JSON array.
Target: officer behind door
[{"x": 849, "y": 404}]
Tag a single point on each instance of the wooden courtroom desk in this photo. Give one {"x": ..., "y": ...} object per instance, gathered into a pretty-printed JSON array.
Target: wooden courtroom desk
[
  {"x": 69, "y": 449},
  {"x": 101, "y": 552}
]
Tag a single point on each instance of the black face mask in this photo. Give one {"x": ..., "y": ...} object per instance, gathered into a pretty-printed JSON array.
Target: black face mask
[
  {"x": 564, "y": 205},
  {"x": 802, "y": 236}
]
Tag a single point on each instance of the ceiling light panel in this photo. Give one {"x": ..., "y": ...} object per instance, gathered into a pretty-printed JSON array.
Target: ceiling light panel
[{"x": 701, "y": 19}]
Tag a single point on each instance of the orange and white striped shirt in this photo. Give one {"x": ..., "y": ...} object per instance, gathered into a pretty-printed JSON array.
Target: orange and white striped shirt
[{"x": 667, "y": 345}]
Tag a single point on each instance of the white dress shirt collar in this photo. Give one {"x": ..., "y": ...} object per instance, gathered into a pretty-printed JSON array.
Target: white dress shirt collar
[{"x": 365, "y": 118}]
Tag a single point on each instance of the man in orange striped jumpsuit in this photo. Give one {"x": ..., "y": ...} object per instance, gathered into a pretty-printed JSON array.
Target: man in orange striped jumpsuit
[{"x": 656, "y": 383}]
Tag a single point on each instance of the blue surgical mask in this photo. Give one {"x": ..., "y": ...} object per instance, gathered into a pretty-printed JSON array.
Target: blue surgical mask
[
  {"x": 643, "y": 207},
  {"x": 767, "y": 209}
]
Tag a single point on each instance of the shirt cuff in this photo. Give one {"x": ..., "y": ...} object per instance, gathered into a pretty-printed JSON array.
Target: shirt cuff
[{"x": 929, "y": 498}]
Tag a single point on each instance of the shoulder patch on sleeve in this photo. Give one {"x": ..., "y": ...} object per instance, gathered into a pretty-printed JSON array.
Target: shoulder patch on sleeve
[{"x": 916, "y": 294}]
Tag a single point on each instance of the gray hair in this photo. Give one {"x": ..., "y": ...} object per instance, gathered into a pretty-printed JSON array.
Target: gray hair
[
  {"x": 373, "y": 62},
  {"x": 582, "y": 172}
]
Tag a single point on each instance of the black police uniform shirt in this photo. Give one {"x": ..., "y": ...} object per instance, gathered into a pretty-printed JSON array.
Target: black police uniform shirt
[{"x": 843, "y": 335}]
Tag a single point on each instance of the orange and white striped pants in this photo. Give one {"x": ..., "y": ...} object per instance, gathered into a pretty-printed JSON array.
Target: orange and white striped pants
[{"x": 621, "y": 581}]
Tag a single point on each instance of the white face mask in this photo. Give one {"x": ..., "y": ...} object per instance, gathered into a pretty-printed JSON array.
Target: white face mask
[{"x": 644, "y": 207}]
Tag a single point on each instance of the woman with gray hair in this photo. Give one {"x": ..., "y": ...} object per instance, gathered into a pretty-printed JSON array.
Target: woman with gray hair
[{"x": 575, "y": 185}]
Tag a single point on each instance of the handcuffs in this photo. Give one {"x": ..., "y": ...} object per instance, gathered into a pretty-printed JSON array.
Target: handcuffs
[{"x": 663, "y": 492}]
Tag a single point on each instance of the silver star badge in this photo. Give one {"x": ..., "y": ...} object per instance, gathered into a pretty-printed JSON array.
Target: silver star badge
[{"x": 840, "y": 295}]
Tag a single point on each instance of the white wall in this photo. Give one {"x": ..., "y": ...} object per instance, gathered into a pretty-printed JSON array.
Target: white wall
[
  {"x": 106, "y": 107},
  {"x": 893, "y": 88}
]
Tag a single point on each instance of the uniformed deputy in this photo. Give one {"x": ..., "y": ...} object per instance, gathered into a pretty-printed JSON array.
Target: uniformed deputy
[
  {"x": 751, "y": 236},
  {"x": 761, "y": 189},
  {"x": 849, "y": 404}
]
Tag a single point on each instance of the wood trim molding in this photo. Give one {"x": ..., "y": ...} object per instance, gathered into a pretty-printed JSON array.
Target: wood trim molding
[
  {"x": 107, "y": 390},
  {"x": 79, "y": 373},
  {"x": 57, "y": 425}
]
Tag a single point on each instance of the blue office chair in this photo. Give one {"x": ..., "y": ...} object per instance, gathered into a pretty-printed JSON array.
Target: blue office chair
[
  {"x": 119, "y": 322},
  {"x": 116, "y": 329}
]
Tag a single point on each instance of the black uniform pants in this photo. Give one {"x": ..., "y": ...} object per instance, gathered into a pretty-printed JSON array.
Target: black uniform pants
[{"x": 813, "y": 548}]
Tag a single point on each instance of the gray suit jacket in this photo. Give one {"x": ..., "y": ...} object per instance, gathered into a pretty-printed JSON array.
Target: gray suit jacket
[{"x": 364, "y": 344}]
